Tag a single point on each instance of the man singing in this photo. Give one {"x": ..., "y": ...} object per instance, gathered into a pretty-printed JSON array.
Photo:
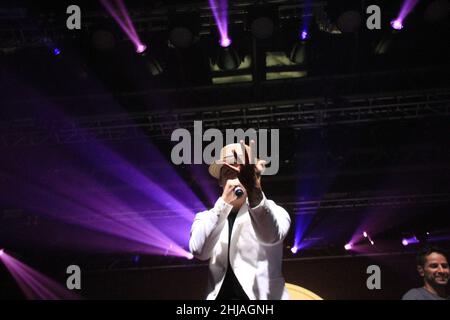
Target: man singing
[{"x": 242, "y": 235}]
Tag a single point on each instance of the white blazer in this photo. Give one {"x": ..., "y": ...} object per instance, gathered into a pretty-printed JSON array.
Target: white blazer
[{"x": 256, "y": 249}]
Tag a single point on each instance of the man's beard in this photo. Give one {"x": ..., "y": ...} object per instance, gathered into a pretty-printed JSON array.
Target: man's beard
[{"x": 440, "y": 280}]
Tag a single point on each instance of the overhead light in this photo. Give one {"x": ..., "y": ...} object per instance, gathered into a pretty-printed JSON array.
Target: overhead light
[
  {"x": 298, "y": 52},
  {"x": 228, "y": 58}
]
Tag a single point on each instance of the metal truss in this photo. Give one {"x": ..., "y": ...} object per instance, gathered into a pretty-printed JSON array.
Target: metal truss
[
  {"x": 341, "y": 201},
  {"x": 296, "y": 114},
  {"x": 311, "y": 207}
]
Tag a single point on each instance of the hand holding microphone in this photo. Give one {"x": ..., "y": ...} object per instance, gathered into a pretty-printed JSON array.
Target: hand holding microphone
[
  {"x": 238, "y": 192},
  {"x": 232, "y": 191}
]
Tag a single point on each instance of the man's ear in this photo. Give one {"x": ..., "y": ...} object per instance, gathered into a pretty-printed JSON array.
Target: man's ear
[{"x": 420, "y": 271}]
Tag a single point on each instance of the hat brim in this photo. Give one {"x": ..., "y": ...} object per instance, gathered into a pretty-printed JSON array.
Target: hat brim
[{"x": 214, "y": 169}]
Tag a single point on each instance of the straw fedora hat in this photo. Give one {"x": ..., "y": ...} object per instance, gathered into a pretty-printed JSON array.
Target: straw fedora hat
[{"x": 227, "y": 155}]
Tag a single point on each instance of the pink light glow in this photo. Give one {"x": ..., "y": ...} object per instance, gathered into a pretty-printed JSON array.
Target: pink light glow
[
  {"x": 34, "y": 284},
  {"x": 225, "y": 42},
  {"x": 141, "y": 48},
  {"x": 122, "y": 17},
  {"x": 408, "y": 241},
  {"x": 397, "y": 24},
  {"x": 304, "y": 35},
  {"x": 407, "y": 7},
  {"x": 220, "y": 12}
]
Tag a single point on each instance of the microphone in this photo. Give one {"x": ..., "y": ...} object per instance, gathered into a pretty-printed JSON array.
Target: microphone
[{"x": 238, "y": 192}]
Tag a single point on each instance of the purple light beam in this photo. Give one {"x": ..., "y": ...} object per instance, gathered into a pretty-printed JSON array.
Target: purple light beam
[
  {"x": 122, "y": 215},
  {"x": 220, "y": 12},
  {"x": 125, "y": 23},
  {"x": 411, "y": 240},
  {"x": 306, "y": 20},
  {"x": 407, "y": 7},
  {"x": 34, "y": 284}
]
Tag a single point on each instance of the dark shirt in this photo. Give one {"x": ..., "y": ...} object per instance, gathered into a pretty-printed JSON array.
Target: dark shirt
[
  {"x": 231, "y": 288},
  {"x": 421, "y": 294}
]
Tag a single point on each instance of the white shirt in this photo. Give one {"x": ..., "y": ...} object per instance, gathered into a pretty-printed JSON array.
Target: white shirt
[{"x": 256, "y": 249}]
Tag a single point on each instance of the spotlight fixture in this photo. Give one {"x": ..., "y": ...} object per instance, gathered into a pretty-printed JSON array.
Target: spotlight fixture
[
  {"x": 2, "y": 251},
  {"x": 298, "y": 52},
  {"x": 348, "y": 246},
  {"x": 228, "y": 58},
  {"x": 294, "y": 249},
  {"x": 300, "y": 40}
]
